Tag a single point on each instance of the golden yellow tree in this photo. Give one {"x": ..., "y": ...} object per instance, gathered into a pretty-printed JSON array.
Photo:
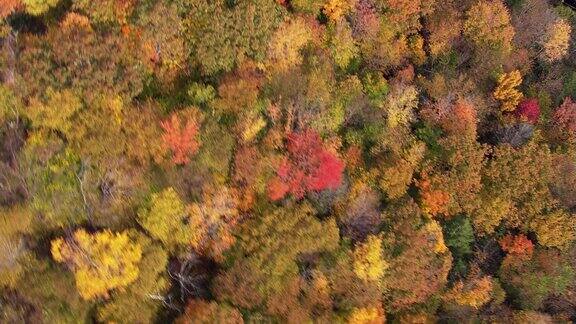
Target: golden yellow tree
[
  {"x": 369, "y": 263},
  {"x": 506, "y": 91},
  {"x": 289, "y": 38},
  {"x": 101, "y": 261},
  {"x": 558, "y": 41},
  {"x": 335, "y": 9},
  {"x": 556, "y": 229},
  {"x": 367, "y": 315},
  {"x": 476, "y": 293},
  {"x": 434, "y": 231},
  {"x": 488, "y": 24}
]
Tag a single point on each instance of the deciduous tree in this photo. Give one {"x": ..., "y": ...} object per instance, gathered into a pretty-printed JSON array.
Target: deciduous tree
[
  {"x": 475, "y": 293},
  {"x": 444, "y": 25},
  {"x": 367, "y": 315},
  {"x": 107, "y": 11},
  {"x": 38, "y": 7},
  {"x": 506, "y": 91},
  {"x": 220, "y": 35},
  {"x": 180, "y": 137},
  {"x": 142, "y": 300},
  {"x": 74, "y": 55},
  {"x": 369, "y": 263},
  {"x": 565, "y": 118},
  {"x": 271, "y": 245},
  {"x": 517, "y": 244},
  {"x": 421, "y": 269},
  {"x": 213, "y": 220},
  {"x": 101, "y": 261},
  {"x": 205, "y": 312},
  {"x": 554, "y": 229},
  {"x": 9, "y": 6},
  {"x": 558, "y": 41},
  {"x": 308, "y": 167},
  {"x": 14, "y": 224},
  {"x": 529, "y": 281},
  {"x": 488, "y": 25},
  {"x": 528, "y": 110},
  {"x": 335, "y": 9},
  {"x": 288, "y": 40},
  {"x": 359, "y": 215},
  {"x": 343, "y": 45},
  {"x": 166, "y": 218},
  {"x": 55, "y": 112}
]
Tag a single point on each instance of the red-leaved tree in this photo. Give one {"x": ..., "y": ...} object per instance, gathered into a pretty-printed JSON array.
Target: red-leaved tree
[
  {"x": 365, "y": 21},
  {"x": 308, "y": 167},
  {"x": 180, "y": 138},
  {"x": 565, "y": 117},
  {"x": 529, "y": 110}
]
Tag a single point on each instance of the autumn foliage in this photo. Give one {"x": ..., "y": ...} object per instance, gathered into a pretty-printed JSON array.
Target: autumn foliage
[
  {"x": 475, "y": 293},
  {"x": 101, "y": 261},
  {"x": 506, "y": 91},
  {"x": 308, "y": 167},
  {"x": 9, "y": 6},
  {"x": 517, "y": 244},
  {"x": 204, "y": 312},
  {"x": 180, "y": 138},
  {"x": 565, "y": 118},
  {"x": 287, "y": 161},
  {"x": 488, "y": 25},
  {"x": 528, "y": 110},
  {"x": 434, "y": 201},
  {"x": 558, "y": 43}
]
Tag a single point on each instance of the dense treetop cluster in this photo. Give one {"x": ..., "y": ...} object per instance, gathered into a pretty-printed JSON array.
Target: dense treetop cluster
[{"x": 287, "y": 161}]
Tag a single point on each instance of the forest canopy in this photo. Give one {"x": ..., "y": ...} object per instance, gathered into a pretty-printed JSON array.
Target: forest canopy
[{"x": 287, "y": 161}]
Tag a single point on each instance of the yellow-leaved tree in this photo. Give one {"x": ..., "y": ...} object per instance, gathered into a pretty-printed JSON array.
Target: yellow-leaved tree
[
  {"x": 476, "y": 293},
  {"x": 369, "y": 264},
  {"x": 367, "y": 315},
  {"x": 506, "y": 91},
  {"x": 488, "y": 25},
  {"x": 558, "y": 41},
  {"x": 165, "y": 219},
  {"x": 284, "y": 47},
  {"x": 101, "y": 261},
  {"x": 400, "y": 105},
  {"x": 335, "y": 9},
  {"x": 39, "y": 7},
  {"x": 555, "y": 229},
  {"x": 342, "y": 44},
  {"x": 55, "y": 112}
]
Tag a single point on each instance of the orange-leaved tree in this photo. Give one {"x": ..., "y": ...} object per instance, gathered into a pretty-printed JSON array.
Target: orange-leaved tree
[{"x": 180, "y": 137}]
